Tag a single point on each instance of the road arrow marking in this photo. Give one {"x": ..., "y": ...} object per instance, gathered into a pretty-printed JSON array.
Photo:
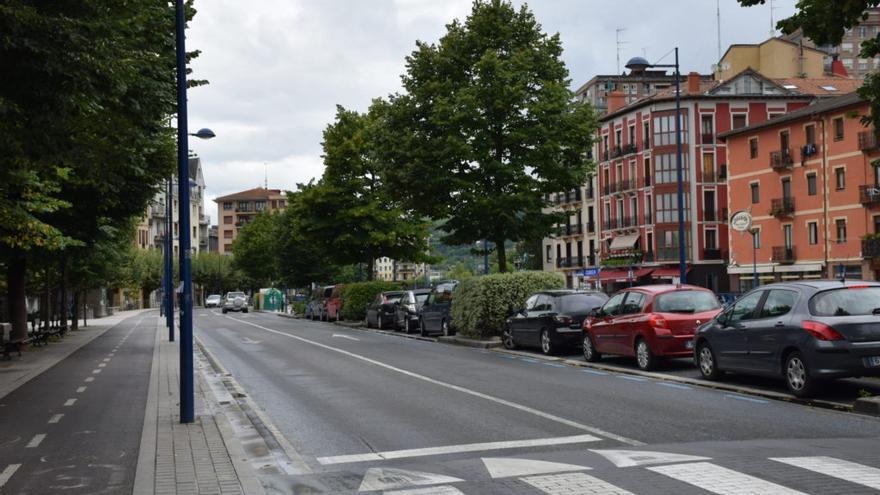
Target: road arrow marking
[
  {"x": 501, "y": 467},
  {"x": 629, "y": 458},
  {"x": 387, "y": 478},
  {"x": 346, "y": 337}
]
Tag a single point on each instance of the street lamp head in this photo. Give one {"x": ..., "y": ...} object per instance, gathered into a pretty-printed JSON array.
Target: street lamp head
[
  {"x": 637, "y": 64},
  {"x": 204, "y": 133}
]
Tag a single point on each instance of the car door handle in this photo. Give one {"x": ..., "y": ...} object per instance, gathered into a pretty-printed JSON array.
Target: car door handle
[{"x": 779, "y": 324}]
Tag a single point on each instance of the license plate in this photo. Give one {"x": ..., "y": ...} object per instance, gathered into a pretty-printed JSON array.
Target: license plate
[
  {"x": 690, "y": 345},
  {"x": 872, "y": 361}
]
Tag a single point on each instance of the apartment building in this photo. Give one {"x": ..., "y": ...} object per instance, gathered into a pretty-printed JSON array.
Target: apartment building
[
  {"x": 850, "y": 46},
  {"x": 808, "y": 181},
  {"x": 235, "y": 210},
  {"x": 637, "y": 172},
  {"x": 393, "y": 271}
]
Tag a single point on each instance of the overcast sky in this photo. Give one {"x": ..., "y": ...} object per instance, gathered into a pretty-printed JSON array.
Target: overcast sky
[{"x": 277, "y": 68}]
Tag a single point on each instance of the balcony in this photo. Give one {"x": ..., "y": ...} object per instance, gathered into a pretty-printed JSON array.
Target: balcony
[
  {"x": 570, "y": 262},
  {"x": 707, "y": 138},
  {"x": 591, "y": 227},
  {"x": 867, "y": 140},
  {"x": 628, "y": 184},
  {"x": 781, "y": 160},
  {"x": 782, "y": 207},
  {"x": 783, "y": 254},
  {"x": 869, "y": 195},
  {"x": 871, "y": 248},
  {"x": 715, "y": 215},
  {"x": 616, "y": 152},
  {"x": 670, "y": 253},
  {"x": 712, "y": 254},
  {"x": 628, "y": 149},
  {"x": 566, "y": 230}
]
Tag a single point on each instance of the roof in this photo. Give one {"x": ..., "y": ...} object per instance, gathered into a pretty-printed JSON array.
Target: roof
[
  {"x": 820, "y": 86},
  {"x": 818, "y": 107},
  {"x": 768, "y": 40},
  {"x": 255, "y": 193}
]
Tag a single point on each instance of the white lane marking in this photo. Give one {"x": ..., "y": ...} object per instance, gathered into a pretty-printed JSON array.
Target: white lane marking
[
  {"x": 530, "y": 410},
  {"x": 106, "y": 360},
  {"x": 35, "y": 442},
  {"x": 95, "y": 372},
  {"x": 434, "y": 490},
  {"x": 346, "y": 337},
  {"x": 747, "y": 399},
  {"x": 101, "y": 365},
  {"x": 716, "y": 479},
  {"x": 90, "y": 379},
  {"x": 630, "y": 458},
  {"x": 631, "y": 378},
  {"x": 594, "y": 372},
  {"x": 675, "y": 385},
  {"x": 836, "y": 468},
  {"x": 388, "y": 478},
  {"x": 574, "y": 484},
  {"x": 506, "y": 467},
  {"x": 80, "y": 390},
  {"x": 7, "y": 473},
  {"x": 56, "y": 418},
  {"x": 456, "y": 449},
  {"x": 556, "y": 365},
  {"x": 70, "y": 402}
]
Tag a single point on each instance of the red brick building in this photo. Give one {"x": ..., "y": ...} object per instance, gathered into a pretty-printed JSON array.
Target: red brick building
[
  {"x": 637, "y": 187},
  {"x": 808, "y": 181}
]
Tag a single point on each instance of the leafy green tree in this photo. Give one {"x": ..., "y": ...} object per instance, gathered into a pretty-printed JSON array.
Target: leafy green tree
[
  {"x": 215, "y": 272},
  {"x": 459, "y": 272},
  {"x": 825, "y": 22},
  {"x": 486, "y": 127},
  {"x": 301, "y": 260},
  {"x": 255, "y": 250}
]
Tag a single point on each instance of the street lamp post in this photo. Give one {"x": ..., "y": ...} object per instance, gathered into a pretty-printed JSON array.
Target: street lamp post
[
  {"x": 168, "y": 245},
  {"x": 639, "y": 63}
]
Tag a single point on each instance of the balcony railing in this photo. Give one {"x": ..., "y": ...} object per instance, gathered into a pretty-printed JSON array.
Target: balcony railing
[
  {"x": 719, "y": 215},
  {"x": 568, "y": 197},
  {"x": 628, "y": 149},
  {"x": 707, "y": 138},
  {"x": 570, "y": 262},
  {"x": 591, "y": 227},
  {"x": 605, "y": 156},
  {"x": 867, "y": 140},
  {"x": 783, "y": 254},
  {"x": 646, "y": 144},
  {"x": 616, "y": 152},
  {"x": 869, "y": 195},
  {"x": 870, "y": 248},
  {"x": 670, "y": 253},
  {"x": 575, "y": 229},
  {"x": 782, "y": 207},
  {"x": 781, "y": 160},
  {"x": 712, "y": 254}
]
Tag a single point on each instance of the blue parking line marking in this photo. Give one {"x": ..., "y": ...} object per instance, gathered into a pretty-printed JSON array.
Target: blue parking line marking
[
  {"x": 556, "y": 365},
  {"x": 505, "y": 356},
  {"x": 632, "y": 378},
  {"x": 743, "y": 397},
  {"x": 675, "y": 385},
  {"x": 594, "y": 372},
  {"x": 530, "y": 360}
]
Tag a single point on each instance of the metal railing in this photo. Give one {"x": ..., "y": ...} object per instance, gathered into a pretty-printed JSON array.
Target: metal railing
[
  {"x": 869, "y": 195},
  {"x": 782, "y": 159},
  {"x": 783, "y": 254},
  {"x": 867, "y": 140},
  {"x": 712, "y": 254},
  {"x": 870, "y": 248},
  {"x": 782, "y": 207}
]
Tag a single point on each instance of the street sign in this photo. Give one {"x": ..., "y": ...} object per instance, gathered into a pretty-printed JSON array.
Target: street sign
[
  {"x": 589, "y": 272},
  {"x": 741, "y": 221},
  {"x": 630, "y": 274}
]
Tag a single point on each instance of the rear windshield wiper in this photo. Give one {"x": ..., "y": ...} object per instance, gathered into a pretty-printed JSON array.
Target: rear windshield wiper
[{"x": 875, "y": 311}]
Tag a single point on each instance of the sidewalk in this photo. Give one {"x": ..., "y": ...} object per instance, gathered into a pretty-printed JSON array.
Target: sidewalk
[{"x": 203, "y": 457}]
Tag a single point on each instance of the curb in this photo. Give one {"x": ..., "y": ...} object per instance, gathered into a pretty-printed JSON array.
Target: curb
[
  {"x": 867, "y": 405},
  {"x": 479, "y": 344}
]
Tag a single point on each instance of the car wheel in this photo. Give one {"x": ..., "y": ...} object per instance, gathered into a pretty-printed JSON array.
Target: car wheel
[
  {"x": 797, "y": 375},
  {"x": 507, "y": 339},
  {"x": 590, "y": 353},
  {"x": 422, "y": 330},
  {"x": 244, "y": 310},
  {"x": 224, "y": 311},
  {"x": 644, "y": 357},
  {"x": 707, "y": 363},
  {"x": 444, "y": 326},
  {"x": 547, "y": 343}
]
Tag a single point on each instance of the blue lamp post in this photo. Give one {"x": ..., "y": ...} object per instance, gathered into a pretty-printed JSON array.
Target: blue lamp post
[{"x": 637, "y": 64}]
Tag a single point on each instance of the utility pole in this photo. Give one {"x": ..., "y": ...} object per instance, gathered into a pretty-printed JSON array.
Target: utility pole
[
  {"x": 718, "y": 26},
  {"x": 772, "y": 22}
]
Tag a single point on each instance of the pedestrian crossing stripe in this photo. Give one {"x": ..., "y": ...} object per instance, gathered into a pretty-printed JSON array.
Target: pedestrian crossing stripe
[
  {"x": 720, "y": 480},
  {"x": 836, "y": 468},
  {"x": 504, "y": 467},
  {"x": 390, "y": 478},
  {"x": 629, "y": 458},
  {"x": 574, "y": 483}
]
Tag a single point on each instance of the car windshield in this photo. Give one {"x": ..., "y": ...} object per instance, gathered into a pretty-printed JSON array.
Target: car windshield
[
  {"x": 846, "y": 302},
  {"x": 686, "y": 301},
  {"x": 581, "y": 303},
  {"x": 233, "y": 295},
  {"x": 393, "y": 298},
  {"x": 214, "y": 297}
]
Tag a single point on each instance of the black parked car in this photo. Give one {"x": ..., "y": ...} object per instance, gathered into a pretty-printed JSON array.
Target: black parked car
[
  {"x": 551, "y": 320},
  {"x": 407, "y": 310},
  {"x": 434, "y": 316},
  {"x": 381, "y": 311},
  {"x": 804, "y": 331}
]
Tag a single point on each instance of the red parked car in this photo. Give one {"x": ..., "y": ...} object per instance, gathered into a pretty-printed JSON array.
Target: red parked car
[
  {"x": 333, "y": 305},
  {"x": 649, "y": 322}
]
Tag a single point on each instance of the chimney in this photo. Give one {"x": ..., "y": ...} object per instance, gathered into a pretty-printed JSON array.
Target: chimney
[
  {"x": 693, "y": 82},
  {"x": 837, "y": 68},
  {"x": 616, "y": 101}
]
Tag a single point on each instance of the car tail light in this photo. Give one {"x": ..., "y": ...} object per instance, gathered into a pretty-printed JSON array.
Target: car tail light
[
  {"x": 563, "y": 319},
  {"x": 821, "y": 331},
  {"x": 858, "y": 287},
  {"x": 657, "y": 321}
]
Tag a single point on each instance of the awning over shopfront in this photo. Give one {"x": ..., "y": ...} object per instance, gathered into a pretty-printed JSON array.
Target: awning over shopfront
[
  {"x": 623, "y": 275},
  {"x": 669, "y": 272},
  {"x": 765, "y": 268},
  {"x": 624, "y": 242}
]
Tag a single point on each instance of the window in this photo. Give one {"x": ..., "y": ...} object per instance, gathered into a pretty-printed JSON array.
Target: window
[
  {"x": 778, "y": 303},
  {"x": 786, "y": 236},
  {"x": 259, "y": 205},
  {"x": 840, "y": 178},
  {"x": 227, "y": 205},
  {"x": 707, "y": 128},
  {"x": 605, "y": 144},
  {"x": 708, "y": 167},
  {"x": 739, "y": 120},
  {"x": 227, "y": 234},
  {"x": 227, "y": 219},
  {"x": 840, "y": 223},
  {"x": 838, "y": 129},
  {"x": 667, "y": 169},
  {"x": 645, "y": 132},
  {"x": 711, "y": 239},
  {"x": 617, "y": 139},
  {"x": 783, "y": 142},
  {"x": 745, "y": 308},
  {"x": 632, "y": 134},
  {"x": 244, "y": 206},
  {"x": 664, "y": 130},
  {"x": 667, "y": 208},
  {"x": 633, "y": 304},
  {"x": 811, "y": 184},
  {"x": 649, "y": 211},
  {"x": 810, "y": 131},
  {"x": 612, "y": 306},
  {"x": 756, "y": 192},
  {"x": 686, "y": 301},
  {"x": 753, "y": 148},
  {"x": 548, "y": 249},
  {"x": 813, "y": 233},
  {"x": 226, "y": 247}
]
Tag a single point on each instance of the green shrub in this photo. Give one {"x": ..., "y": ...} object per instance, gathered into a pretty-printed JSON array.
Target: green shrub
[
  {"x": 356, "y": 297},
  {"x": 481, "y": 304},
  {"x": 299, "y": 307}
]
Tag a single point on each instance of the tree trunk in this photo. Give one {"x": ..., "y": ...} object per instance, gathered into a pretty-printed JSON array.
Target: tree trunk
[
  {"x": 85, "y": 308},
  {"x": 15, "y": 293},
  {"x": 75, "y": 324},
  {"x": 45, "y": 302},
  {"x": 64, "y": 304},
  {"x": 502, "y": 254}
]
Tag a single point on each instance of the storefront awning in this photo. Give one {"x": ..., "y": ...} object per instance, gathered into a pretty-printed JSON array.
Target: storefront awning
[
  {"x": 765, "y": 268},
  {"x": 623, "y": 275},
  {"x": 624, "y": 242},
  {"x": 669, "y": 272}
]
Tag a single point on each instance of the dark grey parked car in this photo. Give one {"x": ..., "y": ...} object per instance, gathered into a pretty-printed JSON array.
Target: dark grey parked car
[
  {"x": 434, "y": 315},
  {"x": 803, "y": 331},
  {"x": 407, "y": 309},
  {"x": 381, "y": 311},
  {"x": 551, "y": 320}
]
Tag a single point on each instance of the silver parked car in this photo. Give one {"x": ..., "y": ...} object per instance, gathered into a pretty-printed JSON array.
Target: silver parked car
[
  {"x": 213, "y": 301},
  {"x": 235, "y": 301}
]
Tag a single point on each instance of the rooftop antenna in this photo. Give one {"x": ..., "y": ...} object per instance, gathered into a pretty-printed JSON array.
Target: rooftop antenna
[
  {"x": 772, "y": 22},
  {"x": 718, "y": 26},
  {"x": 265, "y": 175},
  {"x": 619, "y": 43}
]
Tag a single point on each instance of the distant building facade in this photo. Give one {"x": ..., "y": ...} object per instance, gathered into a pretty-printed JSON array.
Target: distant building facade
[
  {"x": 235, "y": 210},
  {"x": 391, "y": 270},
  {"x": 850, "y": 46},
  {"x": 774, "y": 58}
]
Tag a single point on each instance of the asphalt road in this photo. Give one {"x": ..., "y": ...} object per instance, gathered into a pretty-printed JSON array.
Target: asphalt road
[
  {"x": 76, "y": 428},
  {"x": 372, "y": 412}
]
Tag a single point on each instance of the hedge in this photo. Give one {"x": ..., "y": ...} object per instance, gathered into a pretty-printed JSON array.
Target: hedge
[
  {"x": 356, "y": 297},
  {"x": 482, "y": 304}
]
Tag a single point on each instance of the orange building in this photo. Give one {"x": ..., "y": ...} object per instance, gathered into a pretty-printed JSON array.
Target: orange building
[
  {"x": 234, "y": 211},
  {"x": 807, "y": 180}
]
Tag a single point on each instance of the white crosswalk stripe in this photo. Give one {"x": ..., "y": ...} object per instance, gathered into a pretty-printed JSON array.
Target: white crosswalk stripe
[
  {"x": 837, "y": 468},
  {"x": 7, "y": 473},
  {"x": 720, "y": 480},
  {"x": 434, "y": 490},
  {"x": 573, "y": 484}
]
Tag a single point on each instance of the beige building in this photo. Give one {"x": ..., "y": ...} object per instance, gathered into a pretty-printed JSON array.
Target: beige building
[
  {"x": 775, "y": 58},
  {"x": 573, "y": 246},
  {"x": 850, "y": 46},
  {"x": 395, "y": 271},
  {"x": 234, "y": 211}
]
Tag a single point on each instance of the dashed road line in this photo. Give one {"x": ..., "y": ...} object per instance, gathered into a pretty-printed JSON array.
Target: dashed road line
[
  {"x": 7, "y": 473},
  {"x": 90, "y": 379},
  {"x": 95, "y": 372},
  {"x": 80, "y": 390},
  {"x": 55, "y": 419},
  {"x": 101, "y": 365},
  {"x": 69, "y": 402},
  {"x": 595, "y": 372},
  {"x": 106, "y": 360},
  {"x": 35, "y": 442}
]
